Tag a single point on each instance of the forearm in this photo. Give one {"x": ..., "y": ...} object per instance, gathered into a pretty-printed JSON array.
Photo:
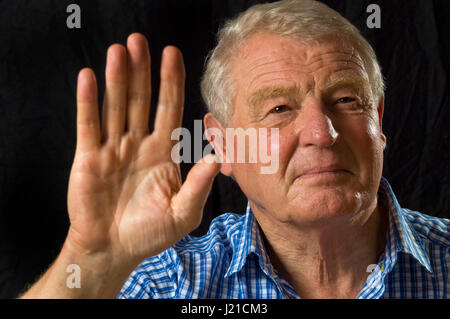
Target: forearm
[{"x": 99, "y": 276}]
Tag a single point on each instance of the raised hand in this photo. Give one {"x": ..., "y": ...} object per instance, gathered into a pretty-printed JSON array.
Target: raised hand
[{"x": 126, "y": 199}]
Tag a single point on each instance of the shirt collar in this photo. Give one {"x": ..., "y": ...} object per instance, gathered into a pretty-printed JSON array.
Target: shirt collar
[
  {"x": 248, "y": 241},
  {"x": 401, "y": 237}
]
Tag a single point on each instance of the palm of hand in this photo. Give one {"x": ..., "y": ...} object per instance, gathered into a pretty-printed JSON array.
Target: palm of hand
[{"x": 122, "y": 197}]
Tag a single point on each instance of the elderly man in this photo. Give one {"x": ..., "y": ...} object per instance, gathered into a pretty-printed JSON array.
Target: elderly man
[{"x": 314, "y": 228}]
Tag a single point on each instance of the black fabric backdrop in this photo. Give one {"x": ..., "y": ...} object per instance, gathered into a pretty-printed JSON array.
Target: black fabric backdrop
[{"x": 40, "y": 58}]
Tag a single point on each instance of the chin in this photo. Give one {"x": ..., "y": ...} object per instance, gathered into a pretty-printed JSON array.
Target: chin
[{"x": 326, "y": 204}]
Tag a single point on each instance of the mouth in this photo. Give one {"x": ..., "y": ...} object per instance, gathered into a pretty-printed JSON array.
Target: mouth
[{"x": 323, "y": 172}]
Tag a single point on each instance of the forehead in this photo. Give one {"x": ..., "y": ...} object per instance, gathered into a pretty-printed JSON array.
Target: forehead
[{"x": 267, "y": 59}]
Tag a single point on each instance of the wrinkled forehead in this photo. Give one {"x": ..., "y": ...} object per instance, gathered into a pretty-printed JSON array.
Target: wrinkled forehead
[{"x": 266, "y": 57}]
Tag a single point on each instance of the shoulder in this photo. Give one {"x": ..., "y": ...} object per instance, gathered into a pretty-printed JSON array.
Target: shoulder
[
  {"x": 435, "y": 230},
  {"x": 164, "y": 275}
]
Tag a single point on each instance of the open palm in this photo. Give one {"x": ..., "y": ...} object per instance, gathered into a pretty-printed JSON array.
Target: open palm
[{"x": 125, "y": 192}]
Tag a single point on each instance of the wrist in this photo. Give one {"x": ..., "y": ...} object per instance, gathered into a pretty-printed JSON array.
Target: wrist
[
  {"x": 82, "y": 273},
  {"x": 102, "y": 271}
]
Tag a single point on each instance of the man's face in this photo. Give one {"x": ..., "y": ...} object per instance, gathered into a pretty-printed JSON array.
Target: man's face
[{"x": 330, "y": 140}]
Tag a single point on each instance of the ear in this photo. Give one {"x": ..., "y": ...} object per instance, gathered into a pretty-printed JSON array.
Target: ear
[
  {"x": 380, "y": 111},
  {"x": 215, "y": 133}
]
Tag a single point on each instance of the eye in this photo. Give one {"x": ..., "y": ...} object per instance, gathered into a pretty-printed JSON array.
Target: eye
[
  {"x": 345, "y": 100},
  {"x": 280, "y": 109}
]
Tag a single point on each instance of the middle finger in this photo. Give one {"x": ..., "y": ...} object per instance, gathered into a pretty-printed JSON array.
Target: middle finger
[{"x": 115, "y": 98}]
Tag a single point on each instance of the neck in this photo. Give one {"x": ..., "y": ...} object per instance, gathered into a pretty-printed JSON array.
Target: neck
[{"x": 328, "y": 260}]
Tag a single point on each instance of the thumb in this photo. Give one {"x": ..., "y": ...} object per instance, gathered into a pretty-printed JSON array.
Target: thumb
[{"x": 188, "y": 203}]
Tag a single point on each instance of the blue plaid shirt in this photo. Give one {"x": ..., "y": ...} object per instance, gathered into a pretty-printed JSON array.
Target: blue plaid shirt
[{"x": 231, "y": 261}]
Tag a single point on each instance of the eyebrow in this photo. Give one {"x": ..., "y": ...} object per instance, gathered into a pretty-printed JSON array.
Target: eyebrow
[
  {"x": 271, "y": 92},
  {"x": 347, "y": 81}
]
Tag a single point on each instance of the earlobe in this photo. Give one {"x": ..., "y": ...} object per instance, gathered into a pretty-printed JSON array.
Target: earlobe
[{"x": 215, "y": 133}]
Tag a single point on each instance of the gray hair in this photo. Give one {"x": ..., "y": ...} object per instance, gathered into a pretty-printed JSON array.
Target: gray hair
[{"x": 309, "y": 21}]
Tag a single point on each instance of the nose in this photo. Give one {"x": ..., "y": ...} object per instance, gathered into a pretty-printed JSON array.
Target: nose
[{"x": 316, "y": 126}]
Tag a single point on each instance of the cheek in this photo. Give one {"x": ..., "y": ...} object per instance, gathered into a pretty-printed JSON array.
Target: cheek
[
  {"x": 375, "y": 135},
  {"x": 373, "y": 128},
  {"x": 288, "y": 144},
  {"x": 365, "y": 139},
  {"x": 261, "y": 180}
]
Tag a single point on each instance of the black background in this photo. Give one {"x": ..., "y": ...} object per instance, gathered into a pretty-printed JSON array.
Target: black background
[{"x": 40, "y": 59}]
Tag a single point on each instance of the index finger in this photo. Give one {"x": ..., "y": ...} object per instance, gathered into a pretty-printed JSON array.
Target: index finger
[
  {"x": 169, "y": 113},
  {"x": 88, "y": 124}
]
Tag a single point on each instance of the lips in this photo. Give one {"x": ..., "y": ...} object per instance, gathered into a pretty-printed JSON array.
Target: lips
[{"x": 323, "y": 169}]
